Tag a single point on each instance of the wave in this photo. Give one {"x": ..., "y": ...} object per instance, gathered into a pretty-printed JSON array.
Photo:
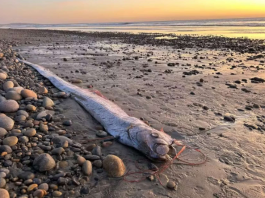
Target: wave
[{"x": 248, "y": 22}]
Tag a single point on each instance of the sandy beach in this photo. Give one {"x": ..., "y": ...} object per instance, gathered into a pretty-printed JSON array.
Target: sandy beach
[{"x": 207, "y": 92}]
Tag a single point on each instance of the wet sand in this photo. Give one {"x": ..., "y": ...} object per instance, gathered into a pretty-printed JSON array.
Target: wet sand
[{"x": 193, "y": 88}]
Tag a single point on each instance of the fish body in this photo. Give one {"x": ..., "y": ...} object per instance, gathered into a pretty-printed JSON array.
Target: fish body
[{"x": 128, "y": 130}]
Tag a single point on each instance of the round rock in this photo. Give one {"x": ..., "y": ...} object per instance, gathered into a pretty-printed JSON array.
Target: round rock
[
  {"x": 26, "y": 175},
  {"x": 44, "y": 186},
  {"x": 8, "y": 85},
  {"x": 26, "y": 93},
  {"x": 30, "y": 107},
  {"x": 13, "y": 95},
  {"x": 101, "y": 133},
  {"x": 5, "y": 148},
  {"x": 10, "y": 141},
  {"x": 9, "y": 106},
  {"x": 6, "y": 122},
  {"x": 3, "y": 76},
  {"x": 43, "y": 90},
  {"x": 47, "y": 102},
  {"x": 80, "y": 160},
  {"x": 2, "y": 99},
  {"x": 114, "y": 166},
  {"x": 87, "y": 168},
  {"x": 2, "y": 182},
  {"x": 30, "y": 132},
  {"x": 3, "y": 132},
  {"x": 4, "y": 193},
  {"x": 171, "y": 185},
  {"x": 58, "y": 151},
  {"x": 22, "y": 112},
  {"x": 44, "y": 162},
  {"x": 57, "y": 194},
  {"x": 23, "y": 139},
  {"x": 17, "y": 89},
  {"x": 39, "y": 193}
]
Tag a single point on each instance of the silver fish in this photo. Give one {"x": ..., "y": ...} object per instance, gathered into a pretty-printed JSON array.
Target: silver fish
[{"x": 130, "y": 131}]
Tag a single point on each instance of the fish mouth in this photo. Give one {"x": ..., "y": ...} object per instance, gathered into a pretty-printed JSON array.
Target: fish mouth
[{"x": 164, "y": 152}]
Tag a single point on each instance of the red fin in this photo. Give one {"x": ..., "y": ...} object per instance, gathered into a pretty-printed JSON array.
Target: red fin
[
  {"x": 162, "y": 130},
  {"x": 98, "y": 93}
]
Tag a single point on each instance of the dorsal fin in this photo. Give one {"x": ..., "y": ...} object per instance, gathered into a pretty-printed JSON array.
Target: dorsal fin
[{"x": 98, "y": 93}]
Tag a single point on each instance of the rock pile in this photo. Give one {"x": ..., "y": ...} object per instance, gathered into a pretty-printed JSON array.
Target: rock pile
[{"x": 38, "y": 157}]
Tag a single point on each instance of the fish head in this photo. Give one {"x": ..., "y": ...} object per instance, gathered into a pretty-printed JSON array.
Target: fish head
[{"x": 160, "y": 145}]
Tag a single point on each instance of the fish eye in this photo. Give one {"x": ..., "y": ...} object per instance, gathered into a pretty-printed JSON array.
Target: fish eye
[
  {"x": 162, "y": 149},
  {"x": 155, "y": 135}
]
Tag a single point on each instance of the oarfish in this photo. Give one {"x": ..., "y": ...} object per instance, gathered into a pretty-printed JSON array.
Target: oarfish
[{"x": 156, "y": 145}]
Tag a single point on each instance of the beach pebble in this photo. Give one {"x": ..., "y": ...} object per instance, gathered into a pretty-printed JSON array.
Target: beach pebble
[
  {"x": 20, "y": 118},
  {"x": 2, "y": 99},
  {"x": 30, "y": 132},
  {"x": 101, "y": 133},
  {"x": 43, "y": 114},
  {"x": 67, "y": 123},
  {"x": 92, "y": 157},
  {"x": 57, "y": 194},
  {"x": 47, "y": 102},
  {"x": 44, "y": 128},
  {"x": 30, "y": 107},
  {"x": 5, "y": 170},
  {"x": 2, "y": 174},
  {"x": 32, "y": 187},
  {"x": 229, "y": 118},
  {"x": 26, "y": 93},
  {"x": 80, "y": 160},
  {"x": 8, "y": 85},
  {"x": 106, "y": 144},
  {"x": 6, "y": 122},
  {"x": 4, "y": 193},
  {"x": 10, "y": 141},
  {"x": 44, "y": 186},
  {"x": 23, "y": 139},
  {"x": 22, "y": 112},
  {"x": 2, "y": 182},
  {"x": 16, "y": 89},
  {"x": 3, "y": 76},
  {"x": 97, "y": 163},
  {"x": 97, "y": 151},
  {"x": 13, "y": 95},
  {"x": 9, "y": 106},
  {"x": 61, "y": 141},
  {"x": 171, "y": 185},
  {"x": 3, "y": 132},
  {"x": 58, "y": 151},
  {"x": 114, "y": 166},
  {"x": 53, "y": 187},
  {"x": 44, "y": 162},
  {"x": 42, "y": 90},
  {"x": 87, "y": 168},
  {"x": 39, "y": 193},
  {"x": 26, "y": 175},
  {"x": 5, "y": 148}
]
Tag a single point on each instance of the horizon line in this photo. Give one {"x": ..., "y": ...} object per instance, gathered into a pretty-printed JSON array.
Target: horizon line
[{"x": 134, "y": 21}]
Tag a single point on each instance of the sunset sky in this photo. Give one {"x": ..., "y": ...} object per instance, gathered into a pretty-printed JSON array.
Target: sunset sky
[{"x": 93, "y": 11}]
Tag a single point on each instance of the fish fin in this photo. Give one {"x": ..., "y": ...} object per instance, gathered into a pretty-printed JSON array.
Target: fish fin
[
  {"x": 162, "y": 130},
  {"x": 98, "y": 93}
]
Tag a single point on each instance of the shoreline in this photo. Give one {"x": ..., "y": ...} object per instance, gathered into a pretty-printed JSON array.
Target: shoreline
[
  {"x": 239, "y": 44},
  {"x": 206, "y": 94}
]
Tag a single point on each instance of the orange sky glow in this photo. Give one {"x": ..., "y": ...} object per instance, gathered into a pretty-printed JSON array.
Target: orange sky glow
[{"x": 94, "y": 11}]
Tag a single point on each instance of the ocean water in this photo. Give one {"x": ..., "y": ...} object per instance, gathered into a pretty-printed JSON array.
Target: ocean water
[{"x": 251, "y": 27}]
